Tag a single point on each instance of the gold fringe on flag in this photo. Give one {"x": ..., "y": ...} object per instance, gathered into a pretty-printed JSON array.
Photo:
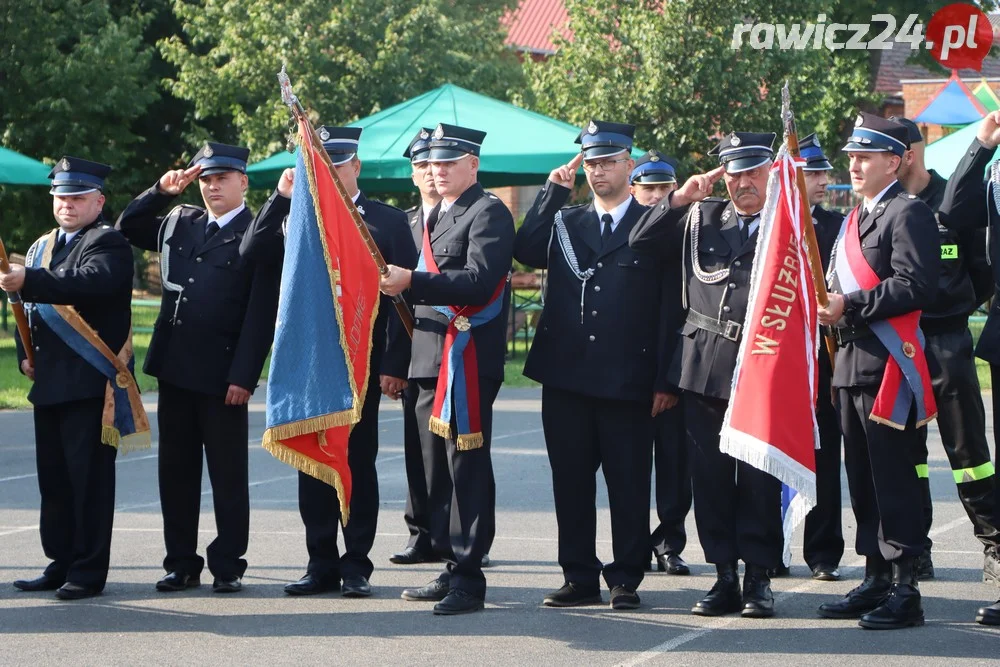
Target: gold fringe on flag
[
  {"x": 319, "y": 424},
  {"x": 299, "y": 461}
]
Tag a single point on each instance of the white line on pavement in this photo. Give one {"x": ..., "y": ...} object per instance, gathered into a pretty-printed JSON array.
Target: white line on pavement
[{"x": 718, "y": 624}]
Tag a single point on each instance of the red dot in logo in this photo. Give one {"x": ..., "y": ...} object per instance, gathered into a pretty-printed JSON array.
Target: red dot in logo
[{"x": 961, "y": 35}]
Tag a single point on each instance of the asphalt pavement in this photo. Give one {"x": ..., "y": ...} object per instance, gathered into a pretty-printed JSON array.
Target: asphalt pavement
[{"x": 131, "y": 623}]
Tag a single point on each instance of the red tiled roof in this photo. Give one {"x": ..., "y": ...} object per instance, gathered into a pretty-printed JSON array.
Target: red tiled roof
[{"x": 531, "y": 25}]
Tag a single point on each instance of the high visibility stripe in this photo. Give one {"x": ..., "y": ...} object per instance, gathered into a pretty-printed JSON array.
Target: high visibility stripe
[
  {"x": 923, "y": 472},
  {"x": 973, "y": 474}
]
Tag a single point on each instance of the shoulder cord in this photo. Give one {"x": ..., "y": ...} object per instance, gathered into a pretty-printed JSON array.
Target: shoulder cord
[
  {"x": 559, "y": 228},
  {"x": 995, "y": 182},
  {"x": 166, "y": 232}
]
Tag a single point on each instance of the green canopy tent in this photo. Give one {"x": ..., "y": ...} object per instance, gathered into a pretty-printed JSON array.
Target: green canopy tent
[
  {"x": 521, "y": 147},
  {"x": 17, "y": 169},
  {"x": 944, "y": 154}
]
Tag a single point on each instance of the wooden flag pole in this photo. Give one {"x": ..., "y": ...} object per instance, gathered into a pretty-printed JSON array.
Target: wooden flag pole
[
  {"x": 19, "y": 315},
  {"x": 815, "y": 263}
]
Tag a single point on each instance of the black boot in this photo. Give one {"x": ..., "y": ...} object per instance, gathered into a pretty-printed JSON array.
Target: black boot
[
  {"x": 758, "y": 601},
  {"x": 724, "y": 598},
  {"x": 989, "y": 615},
  {"x": 902, "y": 608},
  {"x": 870, "y": 594}
]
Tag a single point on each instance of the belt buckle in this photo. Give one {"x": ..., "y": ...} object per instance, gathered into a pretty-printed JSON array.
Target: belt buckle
[{"x": 732, "y": 330}]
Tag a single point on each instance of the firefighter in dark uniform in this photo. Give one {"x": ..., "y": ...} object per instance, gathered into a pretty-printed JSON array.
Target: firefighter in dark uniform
[
  {"x": 737, "y": 507},
  {"x": 595, "y": 354},
  {"x": 823, "y": 546},
  {"x": 91, "y": 270},
  {"x": 390, "y": 354},
  {"x": 417, "y": 514},
  {"x": 961, "y": 413},
  {"x": 652, "y": 179},
  {"x": 895, "y": 235},
  {"x": 461, "y": 288},
  {"x": 969, "y": 203},
  {"x": 209, "y": 344}
]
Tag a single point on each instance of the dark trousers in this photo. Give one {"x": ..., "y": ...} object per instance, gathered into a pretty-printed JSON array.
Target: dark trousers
[
  {"x": 673, "y": 481},
  {"x": 463, "y": 482},
  {"x": 582, "y": 434},
  {"x": 190, "y": 422},
  {"x": 320, "y": 508},
  {"x": 76, "y": 479},
  {"x": 962, "y": 424},
  {"x": 417, "y": 514},
  {"x": 885, "y": 491},
  {"x": 995, "y": 382},
  {"x": 824, "y": 533},
  {"x": 737, "y": 508}
]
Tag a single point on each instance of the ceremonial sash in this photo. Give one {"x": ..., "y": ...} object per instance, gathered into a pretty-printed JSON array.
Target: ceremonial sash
[
  {"x": 906, "y": 380},
  {"x": 124, "y": 424},
  {"x": 458, "y": 378}
]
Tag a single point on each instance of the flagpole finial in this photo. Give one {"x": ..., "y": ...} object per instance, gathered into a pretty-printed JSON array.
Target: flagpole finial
[
  {"x": 287, "y": 95},
  {"x": 786, "y": 109}
]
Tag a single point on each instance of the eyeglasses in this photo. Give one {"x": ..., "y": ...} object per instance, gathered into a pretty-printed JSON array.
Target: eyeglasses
[{"x": 603, "y": 165}]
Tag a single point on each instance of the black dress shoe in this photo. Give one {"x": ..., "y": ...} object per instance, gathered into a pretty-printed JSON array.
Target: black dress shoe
[
  {"x": 989, "y": 615},
  {"x": 901, "y": 609},
  {"x": 177, "y": 581},
  {"x": 623, "y": 597},
  {"x": 234, "y": 585},
  {"x": 676, "y": 565},
  {"x": 724, "y": 598},
  {"x": 826, "y": 573},
  {"x": 310, "y": 585},
  {"x": 356, "y": 587},
  {"x": 42, "y": 583},
  {"x": 573, "y": 595},
  {"x": 661, "y": 563},
  {"x": 924, "y": 566},
  {"x": 868, "y": 596},
  {"x": 758, "y": 601},
  {"x": 411, "y": 556},
  {"x": 458, "y": 602},
  {"x": 435, "y": 591},
  {"x": 70, "y": 591}
]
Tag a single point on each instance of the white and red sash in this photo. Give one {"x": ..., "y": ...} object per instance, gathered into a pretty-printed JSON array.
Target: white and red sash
[{"x": 907, "y": 380}]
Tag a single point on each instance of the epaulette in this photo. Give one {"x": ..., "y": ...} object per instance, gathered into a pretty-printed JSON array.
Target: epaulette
[
  {"x": 571, "y": 208},
  {"x": 412, "y": 209},
  {"x": 491, "y": 195},
  {"x": 715, "y": 200}
]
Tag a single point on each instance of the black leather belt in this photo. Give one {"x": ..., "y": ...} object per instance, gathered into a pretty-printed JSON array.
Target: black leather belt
[
  {"x": 845, "y": 335},
  {"x": 728, "y": 329}
]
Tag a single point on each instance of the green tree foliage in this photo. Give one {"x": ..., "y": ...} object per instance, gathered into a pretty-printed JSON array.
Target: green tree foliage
[
  {"x": 670, "y": 69},
  {"x": 346, "y": 59},
  {"x": 73, "y": 80}
]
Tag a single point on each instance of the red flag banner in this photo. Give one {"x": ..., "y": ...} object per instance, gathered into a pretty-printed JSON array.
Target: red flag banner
[
  {"x": 329, "y": 301},
  {"x": 771, "y": 420}
]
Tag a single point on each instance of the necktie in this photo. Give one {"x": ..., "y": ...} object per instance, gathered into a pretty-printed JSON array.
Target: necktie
[
  {"x": 745, "y": 221},
  {"x": 863, "y": 216},
  {"x": 60, "y": 243},
  {"x": 211, "y": 229},
  {"x": 606, "y": 232}
]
